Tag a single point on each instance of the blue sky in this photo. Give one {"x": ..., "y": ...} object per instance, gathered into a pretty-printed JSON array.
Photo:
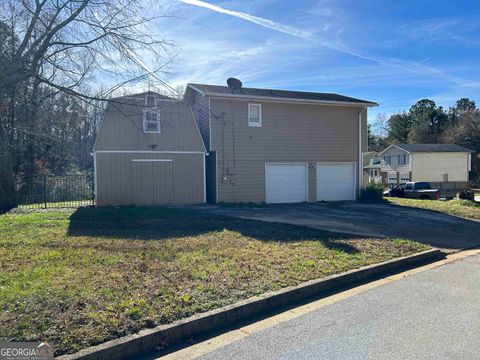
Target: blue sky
[{"x": 391, "y": 52}]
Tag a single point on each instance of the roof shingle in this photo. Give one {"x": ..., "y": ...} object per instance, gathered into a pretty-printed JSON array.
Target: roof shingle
[
  {"x": 280, "y": 94},
  {"x": 433, "y": 148}
]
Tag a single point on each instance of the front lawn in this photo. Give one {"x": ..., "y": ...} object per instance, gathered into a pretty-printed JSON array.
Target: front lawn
[
  {"x": 81, "y": 277},
  {"x": 464, "y": 208}
]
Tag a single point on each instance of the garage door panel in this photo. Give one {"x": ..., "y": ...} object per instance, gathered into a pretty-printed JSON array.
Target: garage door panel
[
  {"x": 286, "y": 183},
  {"x": 335, "y": 182}
]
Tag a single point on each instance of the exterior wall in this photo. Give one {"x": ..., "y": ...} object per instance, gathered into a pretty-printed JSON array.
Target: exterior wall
[
  {"x": 289, "y": 133},
  {"x": 394, "y": 152},
  {"x": 201, "y": 111},
  {"x": 432, "y": 166},
  {"x": 121, "y": 181},
  {"x": 122, "y": 127}
]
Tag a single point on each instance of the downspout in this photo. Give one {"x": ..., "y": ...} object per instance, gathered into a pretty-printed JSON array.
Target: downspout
[{"x": 360, "y": 152}]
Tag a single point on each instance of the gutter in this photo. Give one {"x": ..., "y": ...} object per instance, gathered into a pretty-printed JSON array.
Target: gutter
[{"x": 286, "y": 100}]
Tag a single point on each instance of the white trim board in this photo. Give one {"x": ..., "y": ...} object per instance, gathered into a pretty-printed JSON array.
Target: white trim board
[
  {"x": 204, "y": 180},
  {"x": 146, "y": 152},
  {"x": 196, "y": 89},
  {"x": 152, "y": 160},
  {"x": 286, "y": 100}
]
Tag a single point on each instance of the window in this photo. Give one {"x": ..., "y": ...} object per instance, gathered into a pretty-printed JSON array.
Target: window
[
  {"x": 445, "y": 177},
  {"x": 402, "y": 159},
  {"x": 409, "y": 186},
  {"x": 388, "y": 159},
  {"x": 151, "y": 122},
  {"x": 255, "y": 115},
  {"x": 150, "y": 101},
  {"x": 422, "y": 186}
]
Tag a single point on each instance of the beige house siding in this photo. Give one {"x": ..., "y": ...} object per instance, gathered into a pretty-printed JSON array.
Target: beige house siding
[
  {"x": 289, "y": 133},
  {"x": 432, "y": 166},
  {"x": 122, "y": 127},
  {"x": 122, "y": 181},
  {"x": 201, "y": 112},
  {"x": 124, "y": 171},
  {"x": 312, "y": 182}
]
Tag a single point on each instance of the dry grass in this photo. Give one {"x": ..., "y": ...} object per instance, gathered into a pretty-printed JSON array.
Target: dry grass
[
  {"x": 79, "y": 278},
  {"x": 464, "y": 208}
]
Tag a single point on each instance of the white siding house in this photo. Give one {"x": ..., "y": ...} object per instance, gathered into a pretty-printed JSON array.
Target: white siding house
[{"x": 445, "y": 166}]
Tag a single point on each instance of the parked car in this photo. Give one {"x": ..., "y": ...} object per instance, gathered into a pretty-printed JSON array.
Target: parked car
[{"x": 414, "y": 190}]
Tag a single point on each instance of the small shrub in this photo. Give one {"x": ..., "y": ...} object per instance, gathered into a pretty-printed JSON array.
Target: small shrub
[
  {"x": 466, "y": 195},
  {"x": 373, "y": 192}
]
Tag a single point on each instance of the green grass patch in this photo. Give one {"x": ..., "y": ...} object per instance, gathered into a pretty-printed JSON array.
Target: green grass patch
[
  {"x": 77, "y": 278},
  {"x": 464, "y": 208}
]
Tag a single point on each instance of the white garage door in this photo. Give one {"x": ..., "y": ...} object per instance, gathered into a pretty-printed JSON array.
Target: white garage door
[
  {"x": 286, "y": 183},
  {"x": 335, "y": 182}
]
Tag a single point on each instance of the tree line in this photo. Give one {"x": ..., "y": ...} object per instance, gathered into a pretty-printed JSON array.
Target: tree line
[
  {"x": 52, "y": 53},
  {"x": 425, "y": 122}
]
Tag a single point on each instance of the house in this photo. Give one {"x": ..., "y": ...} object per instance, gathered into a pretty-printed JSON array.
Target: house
[
  {"x": 149, "y": 152},
  {"x": 279, "y": 146},
  {"x": 445, "y": 166}
]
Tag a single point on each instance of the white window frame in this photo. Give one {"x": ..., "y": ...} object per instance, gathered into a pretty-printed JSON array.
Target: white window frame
[
  {"x": 404, "y": 160},
  {"x": 255, "y": 124},
  {"x": 145, "y": 127},
  {"x": 154, "y": 101}
]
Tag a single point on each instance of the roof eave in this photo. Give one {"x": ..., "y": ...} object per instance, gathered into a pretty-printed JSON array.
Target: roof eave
[
  {"x": 195, "y": 88},
  {"x": 284, "y": 99},
  {"x": 394, "y": 145}
]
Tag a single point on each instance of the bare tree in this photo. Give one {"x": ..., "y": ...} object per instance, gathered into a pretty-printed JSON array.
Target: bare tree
[{"x": 65, "y": 46}]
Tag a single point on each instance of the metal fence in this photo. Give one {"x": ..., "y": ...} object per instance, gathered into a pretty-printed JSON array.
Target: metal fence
[{"x": 49, "y": 191}]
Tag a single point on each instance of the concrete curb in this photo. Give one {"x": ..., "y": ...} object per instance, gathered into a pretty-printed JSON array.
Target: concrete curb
[{"x": 145, "y": 341}]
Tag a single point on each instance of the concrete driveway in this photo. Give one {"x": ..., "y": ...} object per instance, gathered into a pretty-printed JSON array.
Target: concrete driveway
[{"x": 380, "y": 220}]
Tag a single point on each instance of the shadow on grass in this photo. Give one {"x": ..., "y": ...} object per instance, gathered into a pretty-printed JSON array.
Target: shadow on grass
[{"x": 157, "y": 223}]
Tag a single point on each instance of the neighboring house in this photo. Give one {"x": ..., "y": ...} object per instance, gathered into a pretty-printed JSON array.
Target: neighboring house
[
  {"x": 278, "y": 146},
  {"x": 149, "y": 152},
  {"x": 445, "y": 166}
]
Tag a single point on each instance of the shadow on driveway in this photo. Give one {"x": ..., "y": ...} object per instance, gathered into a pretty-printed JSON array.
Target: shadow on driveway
[
  {"x": 379, "y": 220},
  {"x": 162, "y": 223}
]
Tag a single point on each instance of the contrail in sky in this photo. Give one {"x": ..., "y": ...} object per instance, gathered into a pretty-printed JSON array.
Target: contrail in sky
[
  {"x": 254, "y": 19},
  {"x": 410, "y": 66}
]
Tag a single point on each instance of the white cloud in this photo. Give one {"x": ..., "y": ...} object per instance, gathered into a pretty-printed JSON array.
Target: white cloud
[{"x": 447, "y": 31}]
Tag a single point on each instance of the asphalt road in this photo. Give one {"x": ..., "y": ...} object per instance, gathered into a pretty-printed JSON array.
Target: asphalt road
[
  {"x": 385, "y": 220},
  {"x": 430, "y": 315}
]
